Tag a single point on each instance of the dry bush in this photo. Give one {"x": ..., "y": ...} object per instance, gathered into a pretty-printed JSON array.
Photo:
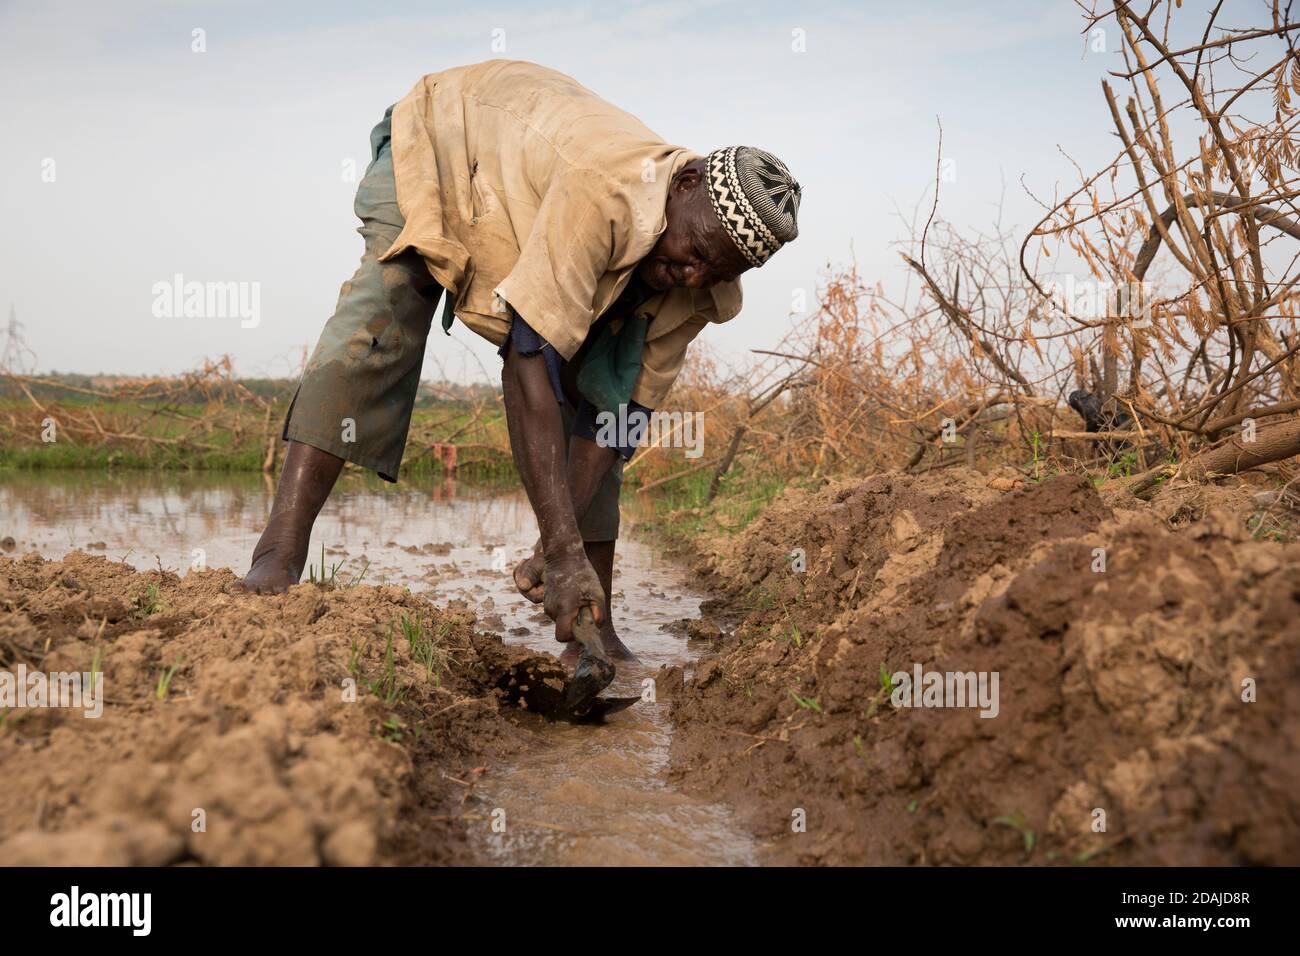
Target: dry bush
[
  {"x": 206, "y": 410},
  {"x": 1175, "y": 356},
  {"x": 1197, "y": 363}
]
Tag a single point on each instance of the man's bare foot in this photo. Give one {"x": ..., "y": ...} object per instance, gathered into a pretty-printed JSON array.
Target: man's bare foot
[{"x": 615, "y": 648}]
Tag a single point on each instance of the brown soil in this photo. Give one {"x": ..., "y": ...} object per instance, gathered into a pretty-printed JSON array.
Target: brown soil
[
  {"x": 1119, "y": 691},
  {"x": 254, "y": 729}
]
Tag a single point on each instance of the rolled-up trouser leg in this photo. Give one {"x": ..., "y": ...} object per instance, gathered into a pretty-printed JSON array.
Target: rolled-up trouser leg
[
  {"x": 600, "y": 523},
  {"x": 360, "y": 384}
]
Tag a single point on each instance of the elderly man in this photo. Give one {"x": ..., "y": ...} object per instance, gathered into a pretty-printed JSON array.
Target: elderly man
[{"x": 569, "y": 235}]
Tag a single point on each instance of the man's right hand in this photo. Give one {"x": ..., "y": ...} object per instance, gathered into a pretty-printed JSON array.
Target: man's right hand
[{"x": 571, "y": 585}]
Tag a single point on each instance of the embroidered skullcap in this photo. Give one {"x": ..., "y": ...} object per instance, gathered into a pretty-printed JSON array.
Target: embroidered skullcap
[{"x": 756, "y": 199}]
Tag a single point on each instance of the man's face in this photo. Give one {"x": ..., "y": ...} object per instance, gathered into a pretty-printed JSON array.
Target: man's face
[{"x": 694, "y": 251}]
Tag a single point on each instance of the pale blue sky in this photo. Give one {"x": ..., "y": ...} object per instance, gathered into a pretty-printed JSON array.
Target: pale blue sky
[{"x": 225, "y": 165}]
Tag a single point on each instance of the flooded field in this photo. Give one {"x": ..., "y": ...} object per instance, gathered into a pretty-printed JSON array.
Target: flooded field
[{"x": 576, "y": 794}]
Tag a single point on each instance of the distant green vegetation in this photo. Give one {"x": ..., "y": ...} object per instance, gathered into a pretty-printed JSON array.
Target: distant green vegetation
[
  {"x": 229, "y": 436},
  {"x": 680, "y": 510}
]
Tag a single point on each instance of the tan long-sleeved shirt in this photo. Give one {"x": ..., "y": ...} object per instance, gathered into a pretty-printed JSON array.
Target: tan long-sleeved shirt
[{"x": 521, "y": 186}]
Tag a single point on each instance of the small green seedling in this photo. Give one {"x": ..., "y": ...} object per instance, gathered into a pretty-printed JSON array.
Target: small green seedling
[
  {"x": 807, "y": 703},
  {"x": 358, "y": 578},
  {"x": 165, "y": 681},
  {"x": 320, "y": 577},
  {"x": 424, "y": 647},
  {"x": 882, "y": 695},
  {"x": 392, "y": 729},
  {"x": 388, "y": 688},
  {"x": 147, "y": 604},
  {"x": 861, "y": 749},
  {"x": 354, "y": 658},
  {"x": 1017, "y": 823}
]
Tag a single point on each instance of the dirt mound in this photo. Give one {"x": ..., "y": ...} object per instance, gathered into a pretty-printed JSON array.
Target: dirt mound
[
  {"x": 1120, "y": 642},
  {"x": 322, "y": 726}
]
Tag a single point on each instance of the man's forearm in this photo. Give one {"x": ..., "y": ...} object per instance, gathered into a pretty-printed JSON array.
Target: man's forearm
[
  {"x": 537, "y": 441},
  {"x": 588, "y": 465}
]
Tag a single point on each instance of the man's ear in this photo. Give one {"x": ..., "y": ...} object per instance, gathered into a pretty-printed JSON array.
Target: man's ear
[{"x": 687, "y": 179}]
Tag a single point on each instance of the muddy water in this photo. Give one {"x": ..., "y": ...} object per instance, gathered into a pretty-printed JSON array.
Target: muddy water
[{"x": 579, "y": 795}]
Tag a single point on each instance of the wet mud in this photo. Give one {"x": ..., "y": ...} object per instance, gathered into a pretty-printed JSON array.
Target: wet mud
[
  {"x": 439, "y": 756},
  {"x": 1146, "y": 708},
  {"x": 1148, "y": 659}
]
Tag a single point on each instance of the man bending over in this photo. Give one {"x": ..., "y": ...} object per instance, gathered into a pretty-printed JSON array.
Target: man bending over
[{"x": 564, "y": 231}]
